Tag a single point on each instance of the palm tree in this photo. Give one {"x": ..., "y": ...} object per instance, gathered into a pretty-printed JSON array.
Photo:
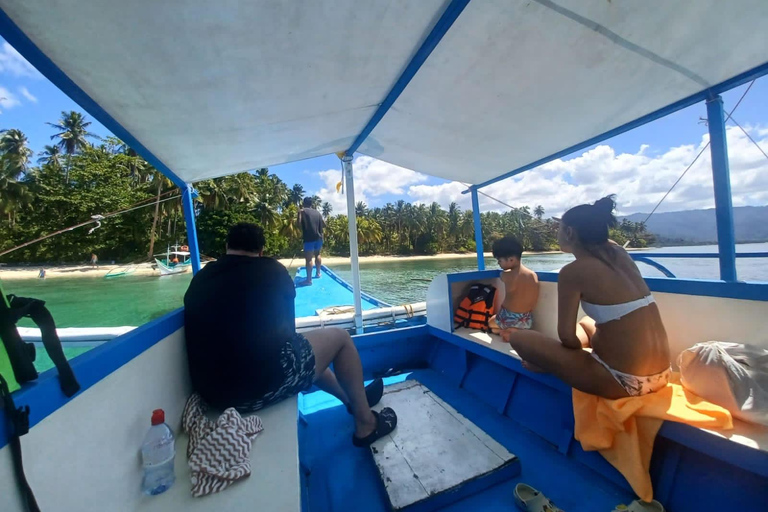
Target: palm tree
[
  {"x": 73, "y": 135},
  {"x": 316, "y": 201},
  {"x": 266, "y": 215},
  {"x": 270, "y": 189},
  {"x": 361, "y": 209},
  {"x": 161, "y": 182},
  {"x": 240, "y": 188},
  {"x": 327, "y": 210},
  {"x": 212, "y": 194},
  {"x": 51, "y": 156},
  {"x": 538, "y": 212},
  {"x": 13, "y": 193},
  {"x": 368, "y": 232},
  {"x": 288, "y": 227},
  {"x": 296, "y": 194},
  {"x": 13, "y": 146}
]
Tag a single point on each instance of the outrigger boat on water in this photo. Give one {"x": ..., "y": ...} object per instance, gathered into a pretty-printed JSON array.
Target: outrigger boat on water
[
  {"x": 176, "y": 261},
  {"x": 473, "y": 91}
]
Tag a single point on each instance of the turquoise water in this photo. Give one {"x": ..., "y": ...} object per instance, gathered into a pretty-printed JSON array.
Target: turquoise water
[{"x": 134, "y": 300}]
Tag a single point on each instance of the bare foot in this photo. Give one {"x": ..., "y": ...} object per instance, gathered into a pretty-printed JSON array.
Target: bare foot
[{"x": 532, "y": 367}]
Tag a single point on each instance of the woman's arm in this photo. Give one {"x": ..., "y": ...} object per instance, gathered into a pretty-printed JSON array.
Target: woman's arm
[{"x": 569, "y": 295}]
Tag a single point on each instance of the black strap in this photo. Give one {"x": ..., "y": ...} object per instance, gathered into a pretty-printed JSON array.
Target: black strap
[
  {"x": 36, "y": 310},
  {"x": 18, "y": 425}
]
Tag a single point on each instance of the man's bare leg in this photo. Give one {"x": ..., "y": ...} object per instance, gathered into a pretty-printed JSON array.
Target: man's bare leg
[
  {"x": 328, "y": 383},
  {"x": 308, "y": 266},
  {"x": 336, "y": 346},
  {"x": 319, "y": 263}
]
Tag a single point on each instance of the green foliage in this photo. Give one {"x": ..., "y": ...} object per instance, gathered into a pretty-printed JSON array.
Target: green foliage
[{"x": 76, "y": 180}]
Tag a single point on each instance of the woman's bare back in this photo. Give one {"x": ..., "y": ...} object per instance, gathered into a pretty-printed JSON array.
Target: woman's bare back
[{"x": 637, "y": 342}]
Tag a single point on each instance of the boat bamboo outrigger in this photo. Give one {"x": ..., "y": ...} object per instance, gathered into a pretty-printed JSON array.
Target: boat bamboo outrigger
[{"x": 474, "y": 91}]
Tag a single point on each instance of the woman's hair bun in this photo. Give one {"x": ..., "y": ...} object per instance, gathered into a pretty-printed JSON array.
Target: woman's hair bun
[{"x": 603, "y": 210}]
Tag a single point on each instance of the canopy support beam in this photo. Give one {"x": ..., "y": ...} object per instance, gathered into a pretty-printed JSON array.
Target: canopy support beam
[
  {"x": 353, "y": 256},
  {"x": 188, "y": 196},
  {"x": 726, "y": 239},
  {"x": 445, "y": 22},
  {"x": 478, "y": 229}
]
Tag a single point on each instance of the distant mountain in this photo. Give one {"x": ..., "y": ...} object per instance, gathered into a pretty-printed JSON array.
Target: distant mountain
[{"x": 698, "y": 226}]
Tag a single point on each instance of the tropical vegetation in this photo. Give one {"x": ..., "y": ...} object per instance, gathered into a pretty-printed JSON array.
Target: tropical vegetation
[{"x": 80, "y": 176}]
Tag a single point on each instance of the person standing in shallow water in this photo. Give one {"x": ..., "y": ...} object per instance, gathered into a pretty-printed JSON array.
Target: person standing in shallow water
[{"x": 312, "y": 225}]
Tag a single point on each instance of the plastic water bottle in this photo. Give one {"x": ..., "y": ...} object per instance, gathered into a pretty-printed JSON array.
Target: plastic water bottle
[{"x": 157, "y": 455}]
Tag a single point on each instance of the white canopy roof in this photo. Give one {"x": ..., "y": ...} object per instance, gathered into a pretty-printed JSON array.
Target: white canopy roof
[{"x": 214, "y": 88}]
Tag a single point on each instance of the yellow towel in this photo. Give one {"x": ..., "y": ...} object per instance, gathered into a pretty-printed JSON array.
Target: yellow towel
[{"x": 624, "y": 430}]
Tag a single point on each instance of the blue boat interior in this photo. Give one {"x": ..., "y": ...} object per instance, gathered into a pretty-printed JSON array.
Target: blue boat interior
[
  {"x": 449, "y": 88},
  {"x": 328, "y": 291}
]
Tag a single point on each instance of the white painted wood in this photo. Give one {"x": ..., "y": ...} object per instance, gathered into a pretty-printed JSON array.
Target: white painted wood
[
  {"x": 433, "y": 449},
  {"x": 86, "y": 456},
  {"x": 273, "y": 484},
  {"x": 493, "y": 341},
  {"x": 439, "y": 309}
]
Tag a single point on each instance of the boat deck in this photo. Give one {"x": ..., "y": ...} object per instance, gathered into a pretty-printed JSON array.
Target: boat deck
[
  {"x": 329, "y": 290},
  {"x": 338, "y": 476}
]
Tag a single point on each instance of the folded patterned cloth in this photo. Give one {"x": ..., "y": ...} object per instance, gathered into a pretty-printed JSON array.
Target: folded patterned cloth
[{"x": 218, "y": 452}]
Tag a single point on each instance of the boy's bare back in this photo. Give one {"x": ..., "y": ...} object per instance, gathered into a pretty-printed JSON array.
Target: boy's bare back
[{"x": 521, "y": 287}]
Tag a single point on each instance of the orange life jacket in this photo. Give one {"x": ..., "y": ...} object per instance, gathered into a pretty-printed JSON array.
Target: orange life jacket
[{"x": 476, "y": 308}]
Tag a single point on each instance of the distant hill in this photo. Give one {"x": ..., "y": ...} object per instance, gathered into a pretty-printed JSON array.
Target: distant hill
[{"x": 698, "y": 226}]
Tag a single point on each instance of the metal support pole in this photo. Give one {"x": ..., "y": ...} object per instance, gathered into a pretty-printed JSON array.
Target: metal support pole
[
  {"x": 187, "y": 197},
  {"x": 478, "y": 230},
  {"x": 352, "y": 218},
  {"x": 726, "y": 240}
]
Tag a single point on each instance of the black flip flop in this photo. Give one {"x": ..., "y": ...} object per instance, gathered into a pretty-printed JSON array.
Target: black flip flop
[
  {"x": 386, "y": 421},
  {"x": 373, "y": 392}
]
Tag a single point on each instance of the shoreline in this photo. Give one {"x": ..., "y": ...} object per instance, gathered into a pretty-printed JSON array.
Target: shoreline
[{"x": 15, "y": 272}]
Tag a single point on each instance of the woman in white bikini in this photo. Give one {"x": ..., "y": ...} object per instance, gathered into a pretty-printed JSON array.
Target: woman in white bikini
[{"x": 630, "y": 353}]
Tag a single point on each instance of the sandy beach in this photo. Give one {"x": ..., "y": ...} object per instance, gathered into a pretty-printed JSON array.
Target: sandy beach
[{"x": 10, "y": 272}]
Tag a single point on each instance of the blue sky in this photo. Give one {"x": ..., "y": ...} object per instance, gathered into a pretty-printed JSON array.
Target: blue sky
[{"x": 28, "y": 101}]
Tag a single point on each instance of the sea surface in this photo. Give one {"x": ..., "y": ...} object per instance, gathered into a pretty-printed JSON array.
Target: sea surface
[{"x": 134, "y": 300}]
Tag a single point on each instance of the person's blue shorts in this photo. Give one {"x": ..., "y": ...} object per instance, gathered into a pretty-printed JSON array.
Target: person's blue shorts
[{"x": 313, "y": 246}]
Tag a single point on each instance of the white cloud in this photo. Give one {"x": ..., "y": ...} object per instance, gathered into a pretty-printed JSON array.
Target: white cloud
[
  {"x": 373, "y": 178},
  {"x": 639, "y": 179},
  {"x": 25, "y": 92},
  {"x": 13, "y": 63},
  {"x": 8, "y": 99}
]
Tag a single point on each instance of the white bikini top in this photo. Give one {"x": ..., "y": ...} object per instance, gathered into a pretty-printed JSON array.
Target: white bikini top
[{"x": 602, "y": 313}]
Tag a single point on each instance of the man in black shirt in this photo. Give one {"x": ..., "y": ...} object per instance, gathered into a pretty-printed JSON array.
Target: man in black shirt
[
  {"x": 243, "y": 348},
  {"x": 312, "y": 225}
]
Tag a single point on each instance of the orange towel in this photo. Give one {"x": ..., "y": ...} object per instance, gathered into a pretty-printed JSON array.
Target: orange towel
[{"x": 624, "y": 430}]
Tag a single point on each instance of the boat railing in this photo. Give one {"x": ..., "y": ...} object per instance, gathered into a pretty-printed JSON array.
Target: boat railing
[{"x": 649, "y": 258}]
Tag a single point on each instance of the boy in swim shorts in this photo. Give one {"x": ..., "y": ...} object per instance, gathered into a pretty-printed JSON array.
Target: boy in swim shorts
[{"x": 518, "y": 290}]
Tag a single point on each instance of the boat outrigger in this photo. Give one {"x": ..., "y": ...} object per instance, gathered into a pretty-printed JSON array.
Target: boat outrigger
[
  {"x": 122, "y": 271},
  {"x": 473, "y": 91}
]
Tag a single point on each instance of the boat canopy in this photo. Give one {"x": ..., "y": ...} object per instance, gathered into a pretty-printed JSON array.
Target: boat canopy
[{"x": 203, "y": 90}]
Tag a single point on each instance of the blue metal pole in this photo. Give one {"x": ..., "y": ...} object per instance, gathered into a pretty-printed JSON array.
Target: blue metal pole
[
  {"x": 726, "y": 240},
  {"x": 478, "y": 230},
  {"x": 187, "y": 200}
]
